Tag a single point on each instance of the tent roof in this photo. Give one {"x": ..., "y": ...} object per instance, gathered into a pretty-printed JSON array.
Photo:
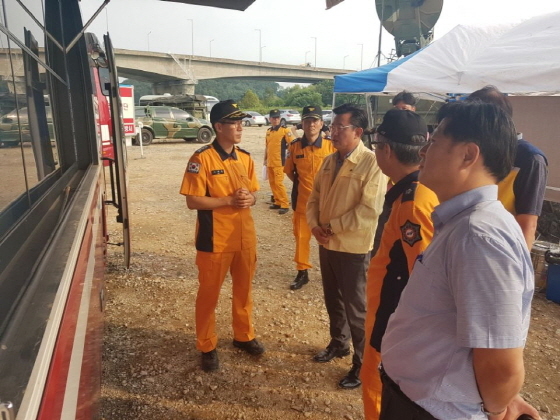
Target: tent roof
[{"x": 519, "y": 58}]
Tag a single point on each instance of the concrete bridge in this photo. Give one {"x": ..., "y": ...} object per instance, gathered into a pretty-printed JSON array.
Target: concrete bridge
[{"x": 178, "y": 74}]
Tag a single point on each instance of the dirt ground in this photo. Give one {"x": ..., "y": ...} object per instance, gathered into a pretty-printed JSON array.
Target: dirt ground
[{"x": 150, "y": 364}]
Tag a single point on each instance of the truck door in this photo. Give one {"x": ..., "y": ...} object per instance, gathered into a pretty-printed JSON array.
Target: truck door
[{"x": 189, "y": 127}]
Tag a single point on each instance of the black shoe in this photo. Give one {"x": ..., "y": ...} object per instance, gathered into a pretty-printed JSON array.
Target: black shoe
[
  {"x": 283, "y": 211},
  {"x": 272, "y": 199},
  {"x": 301, "y": 279},
  {"x": 274, "y": 207},
  {"x": 352, "y": 380},
  {"x": 330, "y": 353},
  {"x": 252, "y": 347},
  {"x": 210, "y": 361}
]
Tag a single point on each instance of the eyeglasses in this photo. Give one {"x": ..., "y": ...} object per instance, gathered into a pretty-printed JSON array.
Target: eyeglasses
[
  {"x": 236, "y": 123},
  {"x": 338, "y": 127}
]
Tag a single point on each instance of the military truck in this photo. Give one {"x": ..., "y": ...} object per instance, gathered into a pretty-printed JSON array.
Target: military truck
[{"x": 171, "y": 122}]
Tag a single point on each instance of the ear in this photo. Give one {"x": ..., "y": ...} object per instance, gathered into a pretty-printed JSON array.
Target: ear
[
  {"x": 471, "y": 154},
  {"x": 218, "y": 127},
  {"x": 359, "y": 132}
]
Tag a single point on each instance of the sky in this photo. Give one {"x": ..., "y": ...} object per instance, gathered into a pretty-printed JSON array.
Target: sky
[{"x": 290, "y": 31}]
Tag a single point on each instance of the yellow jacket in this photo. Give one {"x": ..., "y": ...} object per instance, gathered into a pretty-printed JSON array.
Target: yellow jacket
[{"x": 351, "y": 203}]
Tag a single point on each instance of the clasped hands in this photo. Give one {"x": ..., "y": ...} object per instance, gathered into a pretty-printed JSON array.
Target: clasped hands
[
  {"x": 322, "y": 234},
  {"x": 242, "y": 198}
]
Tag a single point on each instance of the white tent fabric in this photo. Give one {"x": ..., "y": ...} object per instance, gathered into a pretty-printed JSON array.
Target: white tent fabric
[{"x": 519, "y": 58}]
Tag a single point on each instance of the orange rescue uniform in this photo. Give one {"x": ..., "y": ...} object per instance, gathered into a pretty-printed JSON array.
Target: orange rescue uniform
[
  {"x": 303, "y": 162},
  {"x": 225, "y": 239},
  {"x": 406, "y": 233},
  {"x": 277, "y": 140}
]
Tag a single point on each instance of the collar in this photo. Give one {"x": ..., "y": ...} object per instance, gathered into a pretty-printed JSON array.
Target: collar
[
  {"x": 447, "y": 210},
  {"x": 223, "y": 154},
  {"x": 318, "y": 142},
  {"x": 400, "y": 187},
  {"x": 275, "y": 128}
]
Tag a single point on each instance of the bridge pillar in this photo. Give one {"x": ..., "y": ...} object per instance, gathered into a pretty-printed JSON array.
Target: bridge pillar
[{"x": 174, "y": 87}]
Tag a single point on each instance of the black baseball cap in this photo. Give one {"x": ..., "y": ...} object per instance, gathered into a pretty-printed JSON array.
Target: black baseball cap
[
  {"x": 274, "y": 113},
  {"x": 227, "y": 109},
  {"x": 312, "y": 111},
  {"x": 400, "y": 125}
]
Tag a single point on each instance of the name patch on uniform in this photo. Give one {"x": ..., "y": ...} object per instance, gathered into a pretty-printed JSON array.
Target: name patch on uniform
[
  {"x": 299, "y": 156},
  {"x": 217, "y": 172},
  {"x": 410, "y": 233},
  {"x": 193, "y": 167}
]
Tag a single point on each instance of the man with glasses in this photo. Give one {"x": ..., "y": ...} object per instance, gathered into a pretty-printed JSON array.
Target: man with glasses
[
  {"x": 220, "y": 183},
  {"x": 342, "y": 212},
  {"x": 405, "y": 229},
  {"x": 305, "y": 156},
  {"x": 453, "y": 348}
]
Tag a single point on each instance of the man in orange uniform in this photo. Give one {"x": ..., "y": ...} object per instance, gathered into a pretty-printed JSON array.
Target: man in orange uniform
[
  {"x": 220, "y": 183},
  {"x": 405, "y": 229},
  {"x": 305, "y": 156},
  {"x": 278, "y": 137}
]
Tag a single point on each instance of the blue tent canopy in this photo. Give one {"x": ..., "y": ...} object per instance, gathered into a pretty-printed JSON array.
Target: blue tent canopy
[{"x": 370, "y": 80}]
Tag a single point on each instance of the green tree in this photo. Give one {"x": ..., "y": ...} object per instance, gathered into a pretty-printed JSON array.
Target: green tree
[
  {"x": 325, "y": 88},
  {"x": 250, "y": 100},
  {"x": 304, "y": 97}
]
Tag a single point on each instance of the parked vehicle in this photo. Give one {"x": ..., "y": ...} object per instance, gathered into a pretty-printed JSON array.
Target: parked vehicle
[
  {"x": 254, "y": 119},
  {"x": 171, "y": 122},
  {"x": 14, "y": 130},
  {"x": 327, "y": 116},
  {"x": 287, "y": 116}
]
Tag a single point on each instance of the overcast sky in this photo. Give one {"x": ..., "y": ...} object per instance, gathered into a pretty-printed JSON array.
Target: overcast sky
[{"x": 288, "y": 28}]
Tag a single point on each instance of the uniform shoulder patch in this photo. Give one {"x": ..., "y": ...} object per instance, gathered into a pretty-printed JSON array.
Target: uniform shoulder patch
[
  {"x": 203, "y": 148},
  {"x": 408, "y": 194},
  {"x": 242, "y": 150},
  {"x": 193, "y": 167},
  {"x": 295, "y": 141},
  {"x": 410, "y": 233}
]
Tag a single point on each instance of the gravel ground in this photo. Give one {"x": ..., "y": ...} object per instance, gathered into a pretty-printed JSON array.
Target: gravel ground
[{"x": 150, "y": 364}]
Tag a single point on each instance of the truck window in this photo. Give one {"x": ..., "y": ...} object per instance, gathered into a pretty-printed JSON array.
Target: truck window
[{"x": 161, "y": 112}]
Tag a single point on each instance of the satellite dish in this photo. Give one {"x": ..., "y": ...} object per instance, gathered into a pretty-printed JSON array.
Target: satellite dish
[{"x": 411, "y": 22}]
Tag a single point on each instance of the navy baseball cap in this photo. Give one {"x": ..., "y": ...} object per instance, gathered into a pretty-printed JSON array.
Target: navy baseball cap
[
  {"x": 400, "y": 125},
  {"x": 226, "y": 110},
  {"x": 312, "y": 112}
]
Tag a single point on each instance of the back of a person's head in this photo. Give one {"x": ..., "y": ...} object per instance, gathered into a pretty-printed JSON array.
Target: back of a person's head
[
  {"x": 406, "y": 97},
  {"x": 358, "y": 116},
  {"x": 487, "y": 125},
  {"x": 492, "y": 95}
]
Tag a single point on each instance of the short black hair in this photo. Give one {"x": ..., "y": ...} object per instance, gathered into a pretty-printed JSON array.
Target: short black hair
[
  {"x": 358, "y": 116},
  {"x": 487, "y": 125},
  {"x": 407, "y": 154},
  {"x": 492, "y": 95},
  {"x": 406, "y": 97}
]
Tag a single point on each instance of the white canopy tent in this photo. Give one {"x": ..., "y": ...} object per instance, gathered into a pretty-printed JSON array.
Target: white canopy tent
[{"x": 521, "y": 58}]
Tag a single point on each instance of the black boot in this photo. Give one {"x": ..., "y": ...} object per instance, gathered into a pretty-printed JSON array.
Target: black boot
[{"x": 301, "y": 279}]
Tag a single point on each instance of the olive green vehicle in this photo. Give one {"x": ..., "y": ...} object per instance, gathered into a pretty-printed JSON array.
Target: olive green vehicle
[{"x": 170, "y": 122}]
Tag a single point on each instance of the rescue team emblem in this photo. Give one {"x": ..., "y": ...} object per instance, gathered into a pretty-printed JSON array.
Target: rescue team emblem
[
  {"x": 193, "y": 167},
  {"x": 410, "y": 233}
]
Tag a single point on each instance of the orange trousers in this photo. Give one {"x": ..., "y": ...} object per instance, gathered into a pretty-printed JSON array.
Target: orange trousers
[
  {"x": 212, "y": 270},
  {"x": 302, "y": 234},
  {"x": 276, "y": 181},
  {"x": 369, "y": 374}
]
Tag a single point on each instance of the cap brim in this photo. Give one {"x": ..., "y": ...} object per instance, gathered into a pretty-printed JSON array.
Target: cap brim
[{"x": 313, "y": 116}]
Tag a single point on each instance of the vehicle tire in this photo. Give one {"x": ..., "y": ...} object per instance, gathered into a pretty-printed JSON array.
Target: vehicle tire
[
  {"x": 267, "y": 122},
  {"x": 204, "y": 135},
  {"x": 246, "y": 123},
  {"x": 260, "y": 125},
  {"x": 147, "y": 137},
  {"x": 282, "y": 121}
]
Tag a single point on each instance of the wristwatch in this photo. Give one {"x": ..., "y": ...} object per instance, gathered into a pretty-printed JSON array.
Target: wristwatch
[
  {"x": 329, "y": 230},
  {"x": 491, "y": 413}
]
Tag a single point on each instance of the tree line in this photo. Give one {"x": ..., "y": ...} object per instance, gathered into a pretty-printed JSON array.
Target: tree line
[{"x": 255, "y": 95}]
